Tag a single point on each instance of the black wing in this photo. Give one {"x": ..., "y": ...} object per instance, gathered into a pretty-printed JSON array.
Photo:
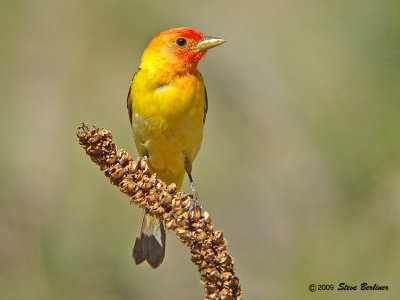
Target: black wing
[
  {"x": 205, "y": 105},
  {"x": 128, "y": 102},
  {"x": 129, "y": 105}
]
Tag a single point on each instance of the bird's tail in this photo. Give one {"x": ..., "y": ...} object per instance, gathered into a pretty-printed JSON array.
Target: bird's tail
[{"x": 150, "y": 242}]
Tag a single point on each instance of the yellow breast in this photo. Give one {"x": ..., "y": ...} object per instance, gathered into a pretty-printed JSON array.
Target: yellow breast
[{"x": 167, "y": 121}]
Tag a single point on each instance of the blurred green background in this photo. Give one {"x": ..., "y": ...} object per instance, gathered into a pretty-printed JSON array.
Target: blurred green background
[{"x": 300, "y": 163}]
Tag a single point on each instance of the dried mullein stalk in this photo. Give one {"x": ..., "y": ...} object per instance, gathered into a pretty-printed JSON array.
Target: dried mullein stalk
[{"x": 193, "y": 227}]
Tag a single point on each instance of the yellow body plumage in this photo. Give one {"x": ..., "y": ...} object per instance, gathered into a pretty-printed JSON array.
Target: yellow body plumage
[
  {"x": 167, "y": 104},
  {"x": 167, "y": 121}
]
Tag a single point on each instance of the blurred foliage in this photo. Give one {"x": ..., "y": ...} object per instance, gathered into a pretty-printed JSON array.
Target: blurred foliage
[{"x": 299, "y": 166}]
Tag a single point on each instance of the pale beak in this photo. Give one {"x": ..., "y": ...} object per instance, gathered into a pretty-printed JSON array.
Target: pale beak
[{"x": 209, "y": 42}]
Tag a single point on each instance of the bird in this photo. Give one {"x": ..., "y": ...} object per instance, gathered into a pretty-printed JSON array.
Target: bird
[{"x": 167, "y": 106}]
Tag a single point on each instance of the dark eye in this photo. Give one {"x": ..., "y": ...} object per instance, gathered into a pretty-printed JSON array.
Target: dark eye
[{"x": 181, "y": 42}]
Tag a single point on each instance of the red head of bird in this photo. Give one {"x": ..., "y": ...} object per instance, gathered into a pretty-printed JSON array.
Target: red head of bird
[{"x": 177, "y": 50}]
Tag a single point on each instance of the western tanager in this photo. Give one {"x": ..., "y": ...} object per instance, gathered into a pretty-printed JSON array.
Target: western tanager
[{"x": 167, "y": 105}]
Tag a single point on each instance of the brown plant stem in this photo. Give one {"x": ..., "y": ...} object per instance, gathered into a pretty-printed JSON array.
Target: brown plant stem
[{"x": 194, "y": 228}]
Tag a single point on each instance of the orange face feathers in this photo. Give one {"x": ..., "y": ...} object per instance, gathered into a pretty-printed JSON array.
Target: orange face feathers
[{"x": 177, "y": 50}]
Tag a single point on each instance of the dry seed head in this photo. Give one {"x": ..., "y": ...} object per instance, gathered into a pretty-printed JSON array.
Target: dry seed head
[
  {"x": 155, "y": 205},
  {"x": 199, "y": 225},
  {"x": 146, "y": 185},
  {"x": 160, "y": 211},
  {"x": 160, "y": 186},
  {"x": 126, "y": 186},
  {"x": 207, "y": 243},
  {"x": 153, "y": 179},
  {"x": 145, "y": 178},
  {"x": 116, "y": 166},
  {"x": 200, "y": 235},
  {"x": 94, "y": 139},
  {"x": 227, "y": 283},
  {"x": 96, "y": 150},
  {"x": 224, "y": 260},
  {"x": 185, "y": 215},
  {"x": 166, "y": 199},
  {"x": 206, "y": 217},
  {"x": 226, "y": 276},
  {"x": 195, "y": 225},
  {"x": 111, "y": 159},
  {"x": 213, "y": 274},
  {"x": 123, "y": 157},
  {"x": 184, "y": 234},
  {"x": 210, "y": 227},
  {"x": 151, "y": 198},
  {"x": 138, "y": 200},
  {"x": 176, "y": 202},
  {"x": 225, "y": 295},
  {"x": 203, "y": 266},
  {"x": 212, "y": 296},
  {"x": 117, "y": 174},
  {"x": 143, "y": 166},
  {"x": 138, "y": 176},
  {"x": 166, "y": 216},
  {"x": 224, "y": 292},
  {"x": 211, "y": 287},
  {"x": 195, "y": 213},
  {"x": 177, "y": 210},
  {"x": 181, "y": 221},
  {"x": 186, "y": 204},
  {"x": 133, "y": 166},
  {"x": 180, "y": 230},
  {"x": 171, "y": 224},
  {"x": 235, "y": 280},
  {"x": 120, "y": 154},
  {"x": 130, "y": 187},
  {"x": 208, "y": 247},
  {"x": 196, "y": 258},
  {"x": 171, "y": 188},
  {"x": 209, "y": 257},
  {"x": 218, "y": 236},
  {"x": 220, "y": 247}
]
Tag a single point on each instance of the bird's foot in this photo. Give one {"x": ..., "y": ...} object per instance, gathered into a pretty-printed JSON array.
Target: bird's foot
[
  {"x": 195, "y": 202},
  {"x": 139, "y": 159}
]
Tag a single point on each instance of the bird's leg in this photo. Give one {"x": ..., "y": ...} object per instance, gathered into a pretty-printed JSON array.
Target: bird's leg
[{"x": 195, "y": 203}]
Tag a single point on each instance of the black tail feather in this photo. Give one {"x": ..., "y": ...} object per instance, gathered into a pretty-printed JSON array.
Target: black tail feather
[{"x": 148, "y": 248}]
